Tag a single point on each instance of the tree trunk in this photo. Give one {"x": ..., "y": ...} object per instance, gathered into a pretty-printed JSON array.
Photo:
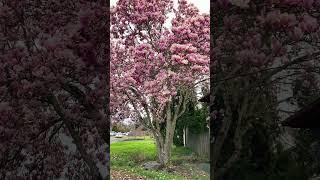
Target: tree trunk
[
  {"x": 164, "y": 154},
  {"x": 164, "y": 143},
  {"x": 219, "y": 140},
  {"x": 94, "y": 170},
  {"x": 160, "y": 147}
]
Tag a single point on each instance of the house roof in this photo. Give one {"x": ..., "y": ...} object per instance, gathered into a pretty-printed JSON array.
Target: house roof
[
  {"x": 205, "y": 98},
  {"x": 308, "y": 117}
]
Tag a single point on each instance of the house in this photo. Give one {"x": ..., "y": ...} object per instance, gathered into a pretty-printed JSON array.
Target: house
[
  {"x": 307, "y": 118},
  {"x": 205, "y": 99},
  {"x": 139, "y": 131}
]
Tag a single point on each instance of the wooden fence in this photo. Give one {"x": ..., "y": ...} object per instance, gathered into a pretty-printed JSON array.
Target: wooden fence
[{"x": 199, "y": 143}]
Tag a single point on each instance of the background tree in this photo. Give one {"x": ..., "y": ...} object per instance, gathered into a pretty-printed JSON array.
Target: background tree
[
  {"x": 53, "y": 89},
  {"x": 120, "y": 127},
  {"x": 258, "y": 49},
  {"x": 194, "y": 118},
  {"x": 155, "y": 67}
]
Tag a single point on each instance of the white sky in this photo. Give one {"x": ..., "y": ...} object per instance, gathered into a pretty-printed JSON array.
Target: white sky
[{"x": 202, "y": 5}]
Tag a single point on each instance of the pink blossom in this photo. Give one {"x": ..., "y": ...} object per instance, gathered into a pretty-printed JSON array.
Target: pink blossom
[
  {"x": 176, "y": 58},
  {"x": 184, "y": 61},
  {"x": 307, "y": 3},
  {"x": 162, "y": 67},
  {"x": 308, "y": 24}
]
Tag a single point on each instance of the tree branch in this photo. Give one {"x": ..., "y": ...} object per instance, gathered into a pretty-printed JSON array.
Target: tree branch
[
  {"x": 142, "y": 120},
  {"x": 237, "y": 140},
  {"x": 281, "y": 68},
  {"x": 100, "y": 123},
  {"x": 143, "y": 103},
  {"x": 53, "y": 123},
  {"x": 275, "y": 69},
  {"x": 94, "y": 171}
]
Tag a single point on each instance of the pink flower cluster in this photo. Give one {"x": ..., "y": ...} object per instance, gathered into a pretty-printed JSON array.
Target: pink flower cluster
[{"x": 161, "y": 61}]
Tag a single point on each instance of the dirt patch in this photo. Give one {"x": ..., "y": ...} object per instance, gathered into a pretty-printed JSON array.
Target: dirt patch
[
  {"x": 123, "y": 175},
  {"x": 187, "y": 170}
]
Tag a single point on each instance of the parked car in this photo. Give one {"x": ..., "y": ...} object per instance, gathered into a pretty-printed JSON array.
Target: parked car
[
  {"x": 119, "y": 135},
  {"x": 112, "y": 133}
]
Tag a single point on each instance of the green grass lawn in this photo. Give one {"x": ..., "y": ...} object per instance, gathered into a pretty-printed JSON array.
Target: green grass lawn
[{"x": 129, "y": 155}]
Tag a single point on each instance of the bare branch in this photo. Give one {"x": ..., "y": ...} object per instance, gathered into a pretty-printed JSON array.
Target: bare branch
[{"x": 77, "y": 140}]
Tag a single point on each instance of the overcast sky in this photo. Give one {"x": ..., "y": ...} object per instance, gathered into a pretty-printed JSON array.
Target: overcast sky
[{"x": 203, "y": 5}]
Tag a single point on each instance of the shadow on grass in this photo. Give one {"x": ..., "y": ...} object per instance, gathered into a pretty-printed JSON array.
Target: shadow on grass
[{"x": 134, "y": 139}]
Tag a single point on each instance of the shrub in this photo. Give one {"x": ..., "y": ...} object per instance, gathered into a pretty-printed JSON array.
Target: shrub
[{"x": 194, "y": 118}]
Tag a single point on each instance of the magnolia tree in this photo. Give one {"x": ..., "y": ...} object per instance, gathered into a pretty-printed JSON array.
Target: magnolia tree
[
  {"x": 53, "y": 90},
  {"x": 156, "y": 63},
  {"x": 259, "y": 49}
]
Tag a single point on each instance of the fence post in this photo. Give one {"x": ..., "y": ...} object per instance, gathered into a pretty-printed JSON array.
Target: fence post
[{"x": 184, "y": 137}]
